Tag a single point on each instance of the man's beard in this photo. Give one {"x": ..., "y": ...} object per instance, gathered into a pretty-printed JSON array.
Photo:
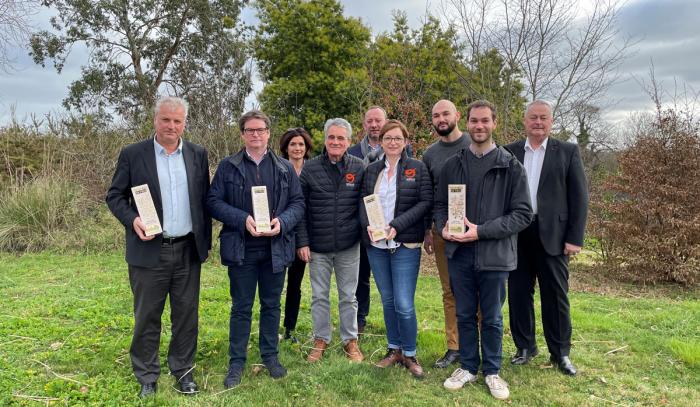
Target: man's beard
[{"x": 446, "y": 132}]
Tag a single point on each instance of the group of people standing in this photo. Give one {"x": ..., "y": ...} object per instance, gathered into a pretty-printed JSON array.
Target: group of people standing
[{"x": 524, "y": 217}]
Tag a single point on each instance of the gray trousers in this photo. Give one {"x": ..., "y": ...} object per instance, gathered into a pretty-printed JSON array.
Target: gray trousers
[{"x": 346, "y": 264}]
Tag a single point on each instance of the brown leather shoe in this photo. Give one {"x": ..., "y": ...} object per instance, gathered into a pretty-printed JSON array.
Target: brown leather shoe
[
  {"x": 352, "y": 351},
  {"x": 317, "y": 351},
  {"x": 413, "y": 366},
  {"x": 392, "y": 357}
]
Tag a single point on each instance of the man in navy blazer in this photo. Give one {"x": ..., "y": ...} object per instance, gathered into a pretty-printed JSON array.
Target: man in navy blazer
[
  {"x": 177, "y": 174},
  {"x": 559, "y": 195}
]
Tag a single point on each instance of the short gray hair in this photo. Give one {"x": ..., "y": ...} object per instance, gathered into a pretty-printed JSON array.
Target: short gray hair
[
  {"x": 338, "y": 122},
  {"x": 540, "y": 102},
  {"x": 173, "y": 102}
]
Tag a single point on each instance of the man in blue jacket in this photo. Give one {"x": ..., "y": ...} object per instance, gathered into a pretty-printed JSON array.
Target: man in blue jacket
[{"x": 255, "y": 259}]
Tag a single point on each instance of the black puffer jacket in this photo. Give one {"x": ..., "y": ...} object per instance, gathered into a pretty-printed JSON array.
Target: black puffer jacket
[
  {"x": 331, "y": 222},
  {"x": 414, "y": 199}
]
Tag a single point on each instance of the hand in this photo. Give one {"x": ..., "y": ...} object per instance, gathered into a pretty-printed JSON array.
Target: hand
[
  {"x": 140, "y": 230},
  {"x": 469, "y": 236},
  {"x": 369, "y": 233},
  {"x": 391, "y": 234},
  {"x": 428, "y": 242},
  {"x": 276, "y": 228},
  {"x": 571, "y": 249},
  {"x": 250, "y": 227},
  {"x": 304, "y": 254}
]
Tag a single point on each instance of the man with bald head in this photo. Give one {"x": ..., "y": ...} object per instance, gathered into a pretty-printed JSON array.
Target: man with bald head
[
  {"x": 559, "y": 195},
  {"x": 451, "y": 140}
]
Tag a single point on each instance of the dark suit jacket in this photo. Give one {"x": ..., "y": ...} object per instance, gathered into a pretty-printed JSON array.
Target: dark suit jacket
[
  {"x": 562, "y": 195},
  {"x": 137, "y": 166}
]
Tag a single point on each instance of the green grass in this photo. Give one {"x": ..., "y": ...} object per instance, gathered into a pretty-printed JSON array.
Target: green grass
[{"x": 65, "y": 330}]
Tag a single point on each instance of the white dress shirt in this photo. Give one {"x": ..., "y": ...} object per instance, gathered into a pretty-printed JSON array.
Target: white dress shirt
[{"x": 533, "y": 168}]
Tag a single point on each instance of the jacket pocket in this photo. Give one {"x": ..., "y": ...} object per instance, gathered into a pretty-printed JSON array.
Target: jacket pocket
[
  {"x": 563, "y": 217},
  {"x": 229, "y": 248}
]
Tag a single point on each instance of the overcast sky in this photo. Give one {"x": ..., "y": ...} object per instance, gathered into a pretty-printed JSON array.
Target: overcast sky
[{"x": 667, "y": 33}]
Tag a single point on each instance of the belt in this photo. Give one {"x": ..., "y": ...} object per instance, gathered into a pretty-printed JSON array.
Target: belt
[{"x": 173, "y": 240}]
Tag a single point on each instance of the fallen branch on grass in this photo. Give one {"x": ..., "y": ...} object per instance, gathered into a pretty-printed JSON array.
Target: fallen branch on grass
[
  {"x": 58, "y": 375},
  {"x": 610, "y": 352}
]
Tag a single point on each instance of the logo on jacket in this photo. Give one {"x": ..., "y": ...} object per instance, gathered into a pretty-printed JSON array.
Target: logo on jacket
[
  {"x": 410, "y": 174},
  {"x": 350, "y": 180}
]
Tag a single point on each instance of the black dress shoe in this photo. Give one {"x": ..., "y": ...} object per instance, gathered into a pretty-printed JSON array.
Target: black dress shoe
[
  {"x": 564, "y": 365},
  {"x": 523, "y": 356},
  {"x": 148, "y": 389},
  {"x": 451, "y": 356},
  {"x": 187, "y": 385}
]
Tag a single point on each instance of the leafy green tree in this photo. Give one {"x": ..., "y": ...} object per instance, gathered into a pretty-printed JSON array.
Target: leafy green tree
[
  {"x": 491, "y": 79},
  {"x": 138, "y": 49},
  {"x": 310, "y": 58},
  {"x": 411, "y": 69}
]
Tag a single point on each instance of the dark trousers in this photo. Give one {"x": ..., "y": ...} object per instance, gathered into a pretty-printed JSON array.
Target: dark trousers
[
  {"x": 473, "y": 290},
  {"x": 362, "y": 291},
  {"x": 295, "y": 275},
  {"x": 254, "y": 273},
  {"x": 178, "y": 276},
  {"x": 552, "y": 273}
]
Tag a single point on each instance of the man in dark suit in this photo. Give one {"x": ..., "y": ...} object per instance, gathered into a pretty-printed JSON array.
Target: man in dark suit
[
  {"x": 559, "y": 195},
  {"x": 177, "y": 175}
]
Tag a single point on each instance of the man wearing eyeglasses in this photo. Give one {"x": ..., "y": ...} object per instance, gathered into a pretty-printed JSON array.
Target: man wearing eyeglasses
[
  {"x": 329, "y": 236},
  {"x": 256, "y": 259}
]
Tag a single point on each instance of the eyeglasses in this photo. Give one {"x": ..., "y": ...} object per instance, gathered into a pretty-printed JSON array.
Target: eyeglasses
[
  {"x": 393, "y": 139},
  {"x": 261, "y": 131},
  {"x": 338, "y": 138}
]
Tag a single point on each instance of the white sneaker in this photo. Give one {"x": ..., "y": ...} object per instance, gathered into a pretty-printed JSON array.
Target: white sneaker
[
  {"x": 458, "y": 379},
  {"x": 497, "y": 386}
]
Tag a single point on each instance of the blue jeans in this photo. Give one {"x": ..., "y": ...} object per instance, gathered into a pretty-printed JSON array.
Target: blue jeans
[
  {"x": 396, "y": 274},
  {"x": 255, "y": 272},
  {"x": 473, "y": 289}
]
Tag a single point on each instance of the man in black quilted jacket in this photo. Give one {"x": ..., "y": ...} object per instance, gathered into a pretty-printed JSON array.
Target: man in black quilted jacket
[{"x": 328, "y": 238}]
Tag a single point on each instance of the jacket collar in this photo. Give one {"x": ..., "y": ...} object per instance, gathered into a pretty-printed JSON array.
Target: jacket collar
[
  {"x": 503, "y": 156},
  {"x": 237, "y": 159}
]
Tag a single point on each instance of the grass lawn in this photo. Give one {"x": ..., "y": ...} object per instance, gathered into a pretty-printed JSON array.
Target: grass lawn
[{"x": 66, "y": 321}]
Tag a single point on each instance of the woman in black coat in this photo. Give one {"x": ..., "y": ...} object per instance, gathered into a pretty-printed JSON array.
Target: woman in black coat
[{"x": 403, "y": 187}]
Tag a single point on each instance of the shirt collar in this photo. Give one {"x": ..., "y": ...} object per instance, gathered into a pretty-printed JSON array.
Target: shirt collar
[
  {"x": 528, "y": 146},
  {"x": 160, "y": 150},
  {"x": 262, "y": 157}
]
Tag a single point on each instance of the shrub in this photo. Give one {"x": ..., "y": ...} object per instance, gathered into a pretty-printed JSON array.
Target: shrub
[
  {"x": 647, "y": 214},
  {"x": 32, "y": 213}
]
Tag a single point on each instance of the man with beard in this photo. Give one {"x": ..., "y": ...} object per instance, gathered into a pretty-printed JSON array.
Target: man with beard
[
  {"x": 480, "y": 258},
  {"x": 451, "y": 140}
]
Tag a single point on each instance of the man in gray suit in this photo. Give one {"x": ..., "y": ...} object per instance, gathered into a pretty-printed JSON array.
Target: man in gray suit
[{"x": 177, "y": 174}]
